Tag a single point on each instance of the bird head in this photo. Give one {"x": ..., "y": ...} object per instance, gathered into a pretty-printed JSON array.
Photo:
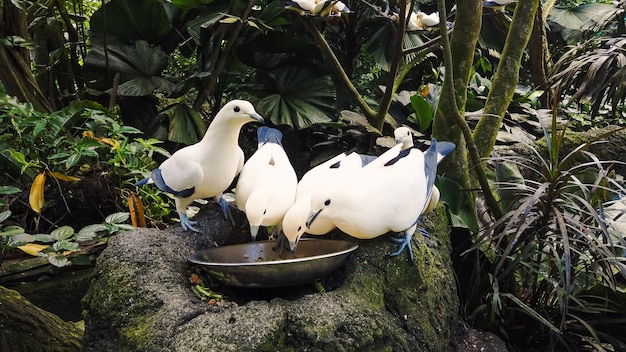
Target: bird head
[
  {"x": 403, "y": 135},
  {"x": 294, "y": 223},
  {"x": 239, "y": 112},
  {"x": 318, "y": 204}
]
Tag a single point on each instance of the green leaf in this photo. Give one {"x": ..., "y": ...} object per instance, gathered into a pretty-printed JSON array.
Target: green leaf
[
  {"x": 86, "y": 236},
  {"x": 117, "y": 218},
  {"x": 43, "y": 237},
  {"x": 186, "y": 125},
  {"x": 298, "y": 96},
  {"x": 65, "y": 245},
  {"x": 92, "y": 228},
  {"x": 81, "y": 259},
  {"x": 423, "y": 111},
  {"x": 461, "y": 209},
  {"x": 62, "y": 233},
  {"x": 5, "y": 214},
  {"x": 20, "y": 239},
  {"x": 58, "y": 260},
  {"x": 9, "y": 190},
  {"x": 12, "y": 231},
  {"x": 583, "y": 17}
]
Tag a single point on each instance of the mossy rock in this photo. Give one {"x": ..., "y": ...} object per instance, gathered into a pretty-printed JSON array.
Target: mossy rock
[
  {"x": 141, "y": 299},
  {"x": 26, "y": 327}
]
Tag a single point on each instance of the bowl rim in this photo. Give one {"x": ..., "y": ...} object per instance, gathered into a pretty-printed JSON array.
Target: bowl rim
[{"x": 353, "y": 246}]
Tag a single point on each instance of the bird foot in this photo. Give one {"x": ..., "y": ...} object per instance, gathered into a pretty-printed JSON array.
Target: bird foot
[
  {"x": 282, "y": 243},
  {"x": 226, "y": 210},
  {"x": 187, "y": 224},
  {"x": 423, "y": 232},
  {"x": 405, "y": 242}
]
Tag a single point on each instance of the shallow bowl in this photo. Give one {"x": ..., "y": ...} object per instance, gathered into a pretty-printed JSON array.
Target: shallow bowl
[{"x": 257, "y": 264}]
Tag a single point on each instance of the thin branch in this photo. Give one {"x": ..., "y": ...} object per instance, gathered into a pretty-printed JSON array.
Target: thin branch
[{"x": 328, "y": 53}]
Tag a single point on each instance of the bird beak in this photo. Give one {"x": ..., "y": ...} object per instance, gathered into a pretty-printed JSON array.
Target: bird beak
[
  {"x": 254, "y": 230},
  {"x": 257, "y": 117},
  {"x": 293, "y": 245},
  {"x": 312, "y": 217}
]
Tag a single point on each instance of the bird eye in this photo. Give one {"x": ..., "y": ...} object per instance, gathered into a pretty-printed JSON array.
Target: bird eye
[
  {"x": 264, "y": 211},
  {"x": 299, "y": 228},
  {"x": 327, "y": 202},
  {"x": 408, "y": 133},
  {"x": 237, "y": 109}
]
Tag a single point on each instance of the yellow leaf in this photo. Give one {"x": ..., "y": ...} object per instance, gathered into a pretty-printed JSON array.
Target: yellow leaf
[
  {"x": 135, "y": 207},
  {"x": 112, "y": 142},
  {"x": 33, "y": 248},
  {"x": 88, "y": 134},
  {"x": 61, "y": 177},
  {"x": 252, "y": 24},
  {"x": 228, "y": 20},
  {"x": 35, "y": 198}
]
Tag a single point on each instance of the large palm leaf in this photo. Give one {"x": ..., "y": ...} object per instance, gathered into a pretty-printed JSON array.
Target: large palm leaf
[{"x": 298, "y": 96}]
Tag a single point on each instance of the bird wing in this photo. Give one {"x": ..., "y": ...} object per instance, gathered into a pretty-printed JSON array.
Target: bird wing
[{"x": 178, "y": 176}]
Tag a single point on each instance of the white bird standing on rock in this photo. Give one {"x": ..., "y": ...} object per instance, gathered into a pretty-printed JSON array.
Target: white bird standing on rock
[
  {"x": 207, "y": 168},
  {"x": 383, "y": 198},
  {"x": 326, "y": 175},
  {"x": 266, "y": 188},
  {"x": 404, "y": 136}
]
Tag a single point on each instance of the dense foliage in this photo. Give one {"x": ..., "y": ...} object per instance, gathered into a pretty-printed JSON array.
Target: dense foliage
[{"x": 121, "y": 84}]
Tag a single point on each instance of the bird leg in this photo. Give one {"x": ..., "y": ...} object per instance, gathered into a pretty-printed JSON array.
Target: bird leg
[
  {"x": 405, "y": 242},
  {"x": 282, "y": 243},
  {"x": 187, "y": 224},
  {"x": 225, "y": 208}
]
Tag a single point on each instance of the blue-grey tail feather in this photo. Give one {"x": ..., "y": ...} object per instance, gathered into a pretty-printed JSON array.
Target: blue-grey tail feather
[
  {"x": 142, "y": 182},
  {"x": 157, "y": 177},
  {"x": 366, "y": 159},
  {"x": 431, "y": 159},
  {"x": 269, "y": 135}
]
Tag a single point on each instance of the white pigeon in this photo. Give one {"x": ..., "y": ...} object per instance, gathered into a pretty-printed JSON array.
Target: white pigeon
[
  {"x": 383, "y": 198},
  {"x": 207, "y": 168},
  {"x": 428, "y": 20},
  {"x": 404, "y": 136},
  {"x": 325, "y": 175},
  {"x": 266, "y": 188},
  {"x": 318, "y": 7}
]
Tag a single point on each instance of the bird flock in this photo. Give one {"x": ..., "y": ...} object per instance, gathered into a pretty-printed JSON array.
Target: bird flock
[{"x": 364, "y": 196}]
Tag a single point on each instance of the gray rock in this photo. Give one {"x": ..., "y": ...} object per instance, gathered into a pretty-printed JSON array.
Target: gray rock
[{"x": 141, "y": 298}]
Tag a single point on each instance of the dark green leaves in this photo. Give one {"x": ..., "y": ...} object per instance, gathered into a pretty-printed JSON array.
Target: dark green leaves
[{"x": 299, "y": 96}]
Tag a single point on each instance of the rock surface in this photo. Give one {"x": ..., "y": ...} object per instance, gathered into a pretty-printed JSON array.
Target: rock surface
[
  {"x": 26, "y": 327},
  {"x": 141, "y": 298}
]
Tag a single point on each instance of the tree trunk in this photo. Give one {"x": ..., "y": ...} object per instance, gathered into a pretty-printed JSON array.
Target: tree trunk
[
  {"x": 506, "y": 77},
  {"x": 15, "y": 73},
  {"x": 26, "y": 327},
  {"x": 463, "y": 43}
]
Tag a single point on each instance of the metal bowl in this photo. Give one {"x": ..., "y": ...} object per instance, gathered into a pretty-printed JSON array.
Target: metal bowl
[{"x": 257, "y": 264}]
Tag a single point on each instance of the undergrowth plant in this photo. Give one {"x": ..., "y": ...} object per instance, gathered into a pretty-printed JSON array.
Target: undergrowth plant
[
  {"x": 63, "y": 245},
  {"x": 553, "y": 262},
  {"x": 80, "y": 140}
]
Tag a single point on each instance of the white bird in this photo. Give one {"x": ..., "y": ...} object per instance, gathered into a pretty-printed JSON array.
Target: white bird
[
  {"x": 428, "y": 20},
  {"x": 326, "y": 175},
  {"x": 318, "y": 7},
  {"x": 207, "y": 168},
  {"x": 383, "y": 198},
  {"x": 266, "y": 188},
  {"x": 419, "y": 21},
  {"x": 404, "y": 136}
]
